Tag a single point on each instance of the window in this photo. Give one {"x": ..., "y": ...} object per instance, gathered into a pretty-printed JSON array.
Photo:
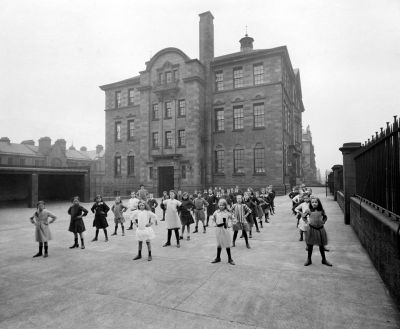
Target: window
[
  {"x": 181, "y": 108},
  {"x": 131, "y": 96},
  {"x": 183, "y": 173},
  {"x": 22, "y": 162},
  {"x": 181, "y": 138},
  {"x": 219, "y": 161},
  {"x": 156, "y": 112},
  {"x": 160, "y": 78},
  {"x": 118, "y": 99},
  {"x": 117, "y": 131},
  {"x": 131, "y": 165},
  {"x": 219, "y": 81},
  {"x": 237, "y": 117},
  {"x": 168, "y": 139},
  {"x": 117, "y": 166},
  {"x": 168, "y": 77},
  {"x": 238, "y": 161},
  {"x": 219, "y": 120},
  {"x": 258, "y": 110},
  {"x": 155, "y": 140},
  {"x": 37, "y": 163},
  {"x": 10, "y": 161},
  {"x": 259, "y": 159},
  {"x": 131, "y": 129},
  {"x": 151, "y": 173},
  {"x": 258, "y": 73},
  {"x": 168, "y": 110},
  {"x": 237, "y": 77},
  {"x": 176, "y": 75}
]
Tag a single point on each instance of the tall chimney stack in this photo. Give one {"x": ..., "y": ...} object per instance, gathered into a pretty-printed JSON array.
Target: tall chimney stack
[{"x": 206, "y": 39}]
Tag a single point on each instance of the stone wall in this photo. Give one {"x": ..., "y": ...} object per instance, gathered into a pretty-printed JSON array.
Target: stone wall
[
  {"x": 340, "y": 199},
  {"x": 379, "y": 235}
]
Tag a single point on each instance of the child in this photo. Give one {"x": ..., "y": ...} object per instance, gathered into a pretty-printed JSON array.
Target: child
[
  {"x": 212, "y": 204},
  {"x": 172, "y": 218},
  {"x": 302, "y": 211},
  {"x": 221, "y": 218},
  {"x": 76, "y": 224},
  {"x": 152, "y": 204},
  {"x": 316, "y": 232},
  {"x": 186, "y": 217},
  {"x": 240, "y": 212},
  {"x": 100, "y": 210},
  {"x": 132, "y": 206},
  {"x": 118, "y": 209},
  {"x": 164, "y": 197},
  {"x": 144, "y": 219},
  {"x": 42, "y": 232},
  {"x": 199, "y": 204}
]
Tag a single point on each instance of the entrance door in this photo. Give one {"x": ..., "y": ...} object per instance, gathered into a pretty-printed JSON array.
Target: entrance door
[{"x": 165, "y": 179}]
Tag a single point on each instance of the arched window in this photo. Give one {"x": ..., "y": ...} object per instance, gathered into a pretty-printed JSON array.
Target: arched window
[
  {"x": 238, "y": 159},
  {"x": 219, "y": 159},
  {"x": 259, "y": 159}
]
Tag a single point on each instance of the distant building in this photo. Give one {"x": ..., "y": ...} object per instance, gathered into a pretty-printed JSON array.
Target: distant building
[
  {"x": 308, "y": 156},
  {"x": 29, "y": 172},
  {"x": 218, "y": 121}
]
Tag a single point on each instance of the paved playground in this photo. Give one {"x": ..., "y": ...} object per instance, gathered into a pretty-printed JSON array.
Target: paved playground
[{"x": 269, "y": 287}]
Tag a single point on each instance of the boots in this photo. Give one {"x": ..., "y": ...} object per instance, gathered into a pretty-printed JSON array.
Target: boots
[
  {"x": 261, "y": 225},
  {"x": 230, "y": 260},
  {"x": 131, "y": 226},
  {"x": 46, "y": 249},
  {"x": 105, "y": 233},
  {"x": 75, "y": 245},
  {"x": 115, "y": 231},
  {"x": 324, "y": 261},
  {"x": 301, "y": 235},
  {"x": 218, "y": 258},
  {"x": 40, "y": 250},
  {"x": 204, "y": 229},
  {"x": 195, "y": 230},
  {"x": 168, "y": 243},
  {"x": 139, "y": 255},
  {"x": 149, "y": 258},
  {"x": 82, "y": 244},
  {"x": 123, "y": 231},
  {"x": 309, "y": 253},
  {"x": 96, "y": 236}
]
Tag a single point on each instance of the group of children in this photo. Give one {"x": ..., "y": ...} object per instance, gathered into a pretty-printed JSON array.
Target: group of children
[
  {"x": 232, "y": 208},
  {"x": 311, "y": 219}
]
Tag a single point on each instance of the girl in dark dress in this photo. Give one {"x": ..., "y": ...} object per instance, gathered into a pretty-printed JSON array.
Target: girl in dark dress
[
  {"x": 76, "y": 225},
  {"x": 185, "y": 214},
  {"x": 212, "y": 204},
  {"x": 316, "y": 234},
  {"x": 100, "y": 210}
]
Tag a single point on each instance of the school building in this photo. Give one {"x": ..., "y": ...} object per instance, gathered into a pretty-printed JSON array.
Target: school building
[
  {"x": 189, "y": 124},
  {"x": 47, "y": 171}
]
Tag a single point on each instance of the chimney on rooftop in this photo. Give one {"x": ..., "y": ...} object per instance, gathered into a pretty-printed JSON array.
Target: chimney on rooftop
[
  {"x": 44, "y": 145},
  {"x": 206, "y": 38}
]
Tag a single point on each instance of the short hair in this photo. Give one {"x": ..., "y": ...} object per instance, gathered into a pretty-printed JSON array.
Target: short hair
[
  {"x": 40, "y": 202},
  {"x": 98, "y": 196},
  {"x": 224, "y": 202},
  {"x": 75, "y": 198}
]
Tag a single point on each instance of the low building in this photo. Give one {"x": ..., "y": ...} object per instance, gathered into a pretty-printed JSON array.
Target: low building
[{"x": 30, "y": 172}]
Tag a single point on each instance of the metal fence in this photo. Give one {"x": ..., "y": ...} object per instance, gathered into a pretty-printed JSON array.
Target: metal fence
[{"x": 378, "y": 168}]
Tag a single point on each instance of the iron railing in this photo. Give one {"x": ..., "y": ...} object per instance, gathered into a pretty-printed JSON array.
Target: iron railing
[{"x": 378, "y": 168}]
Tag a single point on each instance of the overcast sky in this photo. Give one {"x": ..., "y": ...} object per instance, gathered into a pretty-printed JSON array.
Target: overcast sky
[{"x": 54, "y": 54}]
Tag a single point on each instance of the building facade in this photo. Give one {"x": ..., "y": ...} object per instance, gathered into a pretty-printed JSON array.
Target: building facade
[
  {"x": 47, "y": 171},
  {"x": 214, "y": 121},
  {"x": 308, "y": 155}
]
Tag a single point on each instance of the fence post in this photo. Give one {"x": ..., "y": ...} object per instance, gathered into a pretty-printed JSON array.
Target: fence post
[
  {"x": 349, "y": 176},
  {"x": 336, "y": 178}
]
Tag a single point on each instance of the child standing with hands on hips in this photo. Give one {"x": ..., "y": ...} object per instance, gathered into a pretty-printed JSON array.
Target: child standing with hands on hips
[
  {"x": 118, "y": 209},
  {"x": 316, "y": 234},
  {"x": 42, "y": 232},
  {"x": 144, "y": 232},
  {"x": 100, "y": 210},
  {"x": 76, "y": 224}
]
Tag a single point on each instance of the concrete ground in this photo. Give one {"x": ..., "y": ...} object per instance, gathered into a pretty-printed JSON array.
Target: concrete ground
[{"x": 102, "y": 287}]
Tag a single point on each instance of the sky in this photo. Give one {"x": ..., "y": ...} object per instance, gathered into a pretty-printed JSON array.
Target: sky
[{"x": 55, "y": 54}]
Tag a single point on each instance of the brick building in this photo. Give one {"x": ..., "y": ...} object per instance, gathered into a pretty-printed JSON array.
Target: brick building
[
  {"x": 30, "y": 172},
  {"x": 308, "y": 161},
  {"x": 214, "y": 121}
]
